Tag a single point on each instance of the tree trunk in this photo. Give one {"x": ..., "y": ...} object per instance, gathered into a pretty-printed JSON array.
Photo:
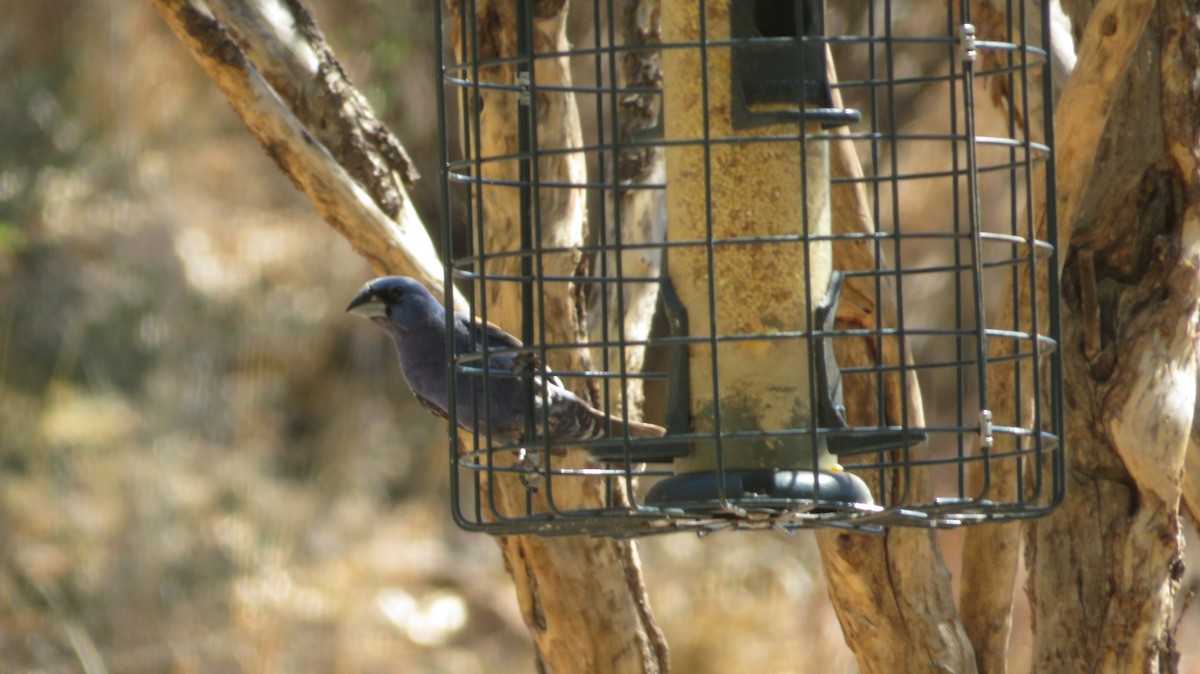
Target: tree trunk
[{"x": 1106, "y": 564}]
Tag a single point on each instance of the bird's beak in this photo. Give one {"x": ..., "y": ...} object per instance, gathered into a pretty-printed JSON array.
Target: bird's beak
[{"x": 365, "y": 303}]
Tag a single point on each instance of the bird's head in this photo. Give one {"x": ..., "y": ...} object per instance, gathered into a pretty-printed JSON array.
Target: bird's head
[{"x": 396, "y": 299}]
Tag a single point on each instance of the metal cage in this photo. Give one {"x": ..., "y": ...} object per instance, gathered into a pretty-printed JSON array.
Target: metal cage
[{"x": 852, "y": 279}]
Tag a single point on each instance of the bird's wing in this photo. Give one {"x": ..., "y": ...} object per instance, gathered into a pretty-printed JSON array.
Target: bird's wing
[
  {"x": 497, "y": 338},
  {"x": 495, "y": 335},
  {"x": 431, "y": 406}
]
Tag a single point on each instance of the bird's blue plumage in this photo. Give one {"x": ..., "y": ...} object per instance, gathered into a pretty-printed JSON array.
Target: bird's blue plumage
[{"x": 416, "y": 322}]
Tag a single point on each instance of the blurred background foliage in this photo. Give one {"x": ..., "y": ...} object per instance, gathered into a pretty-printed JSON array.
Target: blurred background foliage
[{"x": 204, "y": 465}]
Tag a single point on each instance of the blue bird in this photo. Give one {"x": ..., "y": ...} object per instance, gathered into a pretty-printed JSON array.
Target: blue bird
[{"x": 416, "y": 322}]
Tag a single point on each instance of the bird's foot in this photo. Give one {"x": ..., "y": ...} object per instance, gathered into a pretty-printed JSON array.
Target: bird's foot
[
  {"x": 528, "y": 467},
  {"x": 526, "y": 362}
]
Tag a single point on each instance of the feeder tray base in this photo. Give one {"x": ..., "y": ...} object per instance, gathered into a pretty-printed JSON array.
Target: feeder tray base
[{"x": 698, "y": 493}]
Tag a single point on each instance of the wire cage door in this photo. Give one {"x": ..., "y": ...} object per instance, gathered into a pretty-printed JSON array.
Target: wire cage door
[{"x": 815, "y": 239}]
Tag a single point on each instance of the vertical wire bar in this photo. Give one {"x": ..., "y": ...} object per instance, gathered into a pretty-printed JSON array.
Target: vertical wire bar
[
  {"x": 464, "y": 92},
  {"x": 902, "y": 366},
  {"x": 968, "y": 92},
  {"x": 448, "y": 268},
  {"x": 535, "y": 277},
  {"x": 1058, "y": 457},
  {"x": 481, "y": 256},
  {"x": 469, "y": 39},
  {"x": 960, "y": 370},
  {"x": 876, "y": 213},
  {"x": 801, "y": 38},
  {"x": 452, "y": 259},
  {"x": 600, "y": 260},
  {"x": 532, "y": 268},
  {"x": 1014, "y": 272},
  {"x": 1040, "y": 416},
  {"x": 603, "y": 171},
  {"x": 525, "y": 156},
  {"x": 602, "y": 93},
  {"x": 618, "y": 257},
  {"x": 614, "y": 79},
  {"x": 1031, "y": 261},
  {"x": 710, "y": 251}
]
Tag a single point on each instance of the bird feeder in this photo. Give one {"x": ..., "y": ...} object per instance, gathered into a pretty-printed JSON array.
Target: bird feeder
[{"x": 857, "y": 319}]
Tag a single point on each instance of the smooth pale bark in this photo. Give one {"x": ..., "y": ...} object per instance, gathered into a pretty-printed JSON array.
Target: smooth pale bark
[
  {"x": 1105, "y": 566},
  {"x": 891, "y": 591}
]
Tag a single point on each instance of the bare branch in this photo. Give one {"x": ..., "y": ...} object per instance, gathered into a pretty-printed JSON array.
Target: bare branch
[
  {"x": 391, "y": 245},
  {"x": 286, "y": 46}
]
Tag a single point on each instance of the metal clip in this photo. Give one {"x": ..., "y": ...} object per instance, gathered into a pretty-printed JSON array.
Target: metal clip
[
  {"x": 524, "y": 82},
  {"x": 985, "y": 429},
  {"x": 966, "y": 42}
]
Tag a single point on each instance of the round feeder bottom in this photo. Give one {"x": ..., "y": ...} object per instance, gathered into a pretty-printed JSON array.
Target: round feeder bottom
[{"x": 698, "y": 492}]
